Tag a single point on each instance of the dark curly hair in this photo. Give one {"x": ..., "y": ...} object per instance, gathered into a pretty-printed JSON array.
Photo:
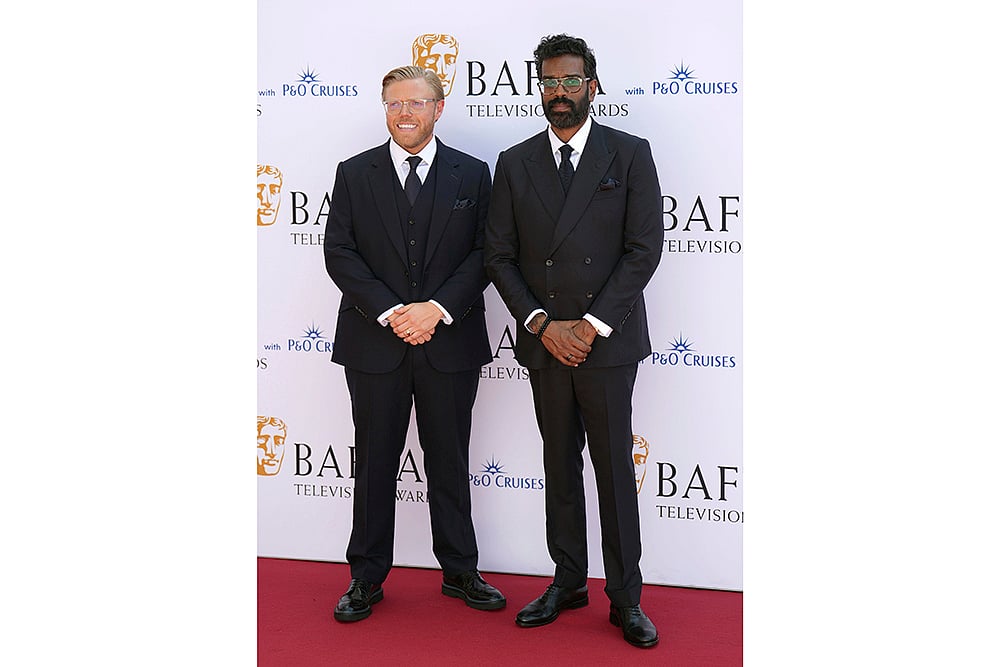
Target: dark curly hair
[{"x": 564, "y": 45}]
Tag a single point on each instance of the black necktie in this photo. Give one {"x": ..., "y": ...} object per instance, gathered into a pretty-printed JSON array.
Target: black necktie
[
  {"x": 412, "y": 186},
  {"x": 565, "y": 167}
]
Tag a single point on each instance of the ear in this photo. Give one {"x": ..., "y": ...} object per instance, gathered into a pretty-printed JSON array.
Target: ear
[
  {"x": 438, "y": 109},
  {"x": 592, "y": 86}
]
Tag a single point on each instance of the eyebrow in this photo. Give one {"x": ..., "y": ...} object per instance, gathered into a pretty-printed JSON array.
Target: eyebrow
[{"x": 566, "y": 76}]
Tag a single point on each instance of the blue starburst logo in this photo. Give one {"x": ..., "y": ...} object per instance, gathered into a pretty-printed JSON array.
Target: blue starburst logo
[
  {"x": 308, "y": 76},
  {"x": 683, "y": 73},
  {"x": 312, "y": 333},
  {"x": 681, "y": 344},
  {"x": 492, "y": 467}
]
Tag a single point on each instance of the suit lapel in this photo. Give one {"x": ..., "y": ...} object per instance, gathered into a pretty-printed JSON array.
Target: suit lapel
[
  {"x": 382, "y": 179},
  {"x": 449, "y": 180},
  {"x": 593, "y": 165},
  {"x": 541, "y": 168}
]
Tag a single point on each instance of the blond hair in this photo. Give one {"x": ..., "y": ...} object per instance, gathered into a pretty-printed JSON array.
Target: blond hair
[{"x": 408, "y": 72}]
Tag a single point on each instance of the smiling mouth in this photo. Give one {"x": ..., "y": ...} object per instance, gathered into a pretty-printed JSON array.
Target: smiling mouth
[{"x": 406, "y": 126}]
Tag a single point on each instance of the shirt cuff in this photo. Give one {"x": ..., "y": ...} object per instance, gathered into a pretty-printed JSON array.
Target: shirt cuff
[
  {"x": 533, "y": 313},
  {"x": 383, "y": 319},
  {"x": 603, "y": 329},
  {"x": 447, "y": 316}
]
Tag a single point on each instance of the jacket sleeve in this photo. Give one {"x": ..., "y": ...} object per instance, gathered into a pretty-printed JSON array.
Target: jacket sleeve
[
  {"x": 360, "y": 287},
  {"x": 642, "y": 242},
  {"x": 502, "y": 255}
]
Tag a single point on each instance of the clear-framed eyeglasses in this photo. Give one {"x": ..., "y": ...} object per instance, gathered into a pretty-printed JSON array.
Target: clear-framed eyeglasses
[{"x": 395, "y": 107}]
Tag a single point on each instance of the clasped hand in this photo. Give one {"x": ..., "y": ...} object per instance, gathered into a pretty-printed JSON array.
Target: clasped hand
[
  {"x": 569, "y": 340},
  {"x": 414, "y": 323}
]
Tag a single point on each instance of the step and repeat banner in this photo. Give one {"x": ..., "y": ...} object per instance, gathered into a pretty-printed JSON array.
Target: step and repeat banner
[{"x": 670, "y": 72}]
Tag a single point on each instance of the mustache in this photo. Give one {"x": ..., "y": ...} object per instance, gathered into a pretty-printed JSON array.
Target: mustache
[{"x": 562, "y": 100}]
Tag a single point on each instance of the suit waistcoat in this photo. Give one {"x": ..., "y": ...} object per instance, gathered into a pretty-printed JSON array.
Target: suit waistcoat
[{"x": 415, "y": 222}]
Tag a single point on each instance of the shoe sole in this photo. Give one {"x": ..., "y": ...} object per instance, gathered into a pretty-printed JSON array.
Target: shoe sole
[
  {"x": 454, "y": 592},
  {"x": 575, "y": 604},
  {"x": 352, "y": 616},
  {"x": 615, "y": 621}
]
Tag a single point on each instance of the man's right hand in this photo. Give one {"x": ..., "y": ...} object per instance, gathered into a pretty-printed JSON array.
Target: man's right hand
[{"x": 563, "y": 344}]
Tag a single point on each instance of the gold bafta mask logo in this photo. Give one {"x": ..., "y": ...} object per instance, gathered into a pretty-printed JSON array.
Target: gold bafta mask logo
[
  {"x": 438, "y": 53},
  {"x": 268, "y": 194},
  {"x": 640, "y": 452},
  {"x": 271, "y": 433}
]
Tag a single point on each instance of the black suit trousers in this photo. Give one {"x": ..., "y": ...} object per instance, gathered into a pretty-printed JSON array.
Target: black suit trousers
[
  {"x": 381, "y": 404},
  {"x": 574, "y": 407}
]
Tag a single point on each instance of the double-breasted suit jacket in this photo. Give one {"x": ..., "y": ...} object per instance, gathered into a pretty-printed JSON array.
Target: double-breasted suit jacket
[{"x": 591, "y": 250}]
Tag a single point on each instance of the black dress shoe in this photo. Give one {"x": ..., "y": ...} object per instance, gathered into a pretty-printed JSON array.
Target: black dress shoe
[
  {"x": 546, "y": 608},
  {"x": 636, "y": 626},
  {"x": 356, "y": 603},
  {"x": 471, "y": 587}
]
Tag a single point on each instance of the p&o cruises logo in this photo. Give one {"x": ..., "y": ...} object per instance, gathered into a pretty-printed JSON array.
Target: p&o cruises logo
[
  {"x": 682, "y": 81},
  {"x": 681, "y": 352},
  {"x": 493, "y": 475},
  {"x": 312, "y": 340},
  {"x": 308, "y": 84}
]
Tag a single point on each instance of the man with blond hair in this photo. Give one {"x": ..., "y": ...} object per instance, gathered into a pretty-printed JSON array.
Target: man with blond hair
[{"x": 404, "y": 244}]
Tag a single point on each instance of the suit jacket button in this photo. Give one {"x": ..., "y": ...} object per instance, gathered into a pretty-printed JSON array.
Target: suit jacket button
[
  {"x": 590, "y": 295},
  {"x": 413, "y": 284},
  {"x": 586, "y": 260},
  {"x": 552, "y": 295},
  {"x": 549, "y": 262},
  {"x": 412, "y": 242}
]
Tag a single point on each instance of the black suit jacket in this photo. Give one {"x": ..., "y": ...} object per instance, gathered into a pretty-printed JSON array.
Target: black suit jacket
[
  {"x": 592, "y": 250},
  {"x": 366, "y": 258}
]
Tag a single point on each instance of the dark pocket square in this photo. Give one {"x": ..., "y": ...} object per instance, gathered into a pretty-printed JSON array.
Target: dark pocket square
[
  {"x": 464, "y": 203},
  {"x": 609, "y": 184}
]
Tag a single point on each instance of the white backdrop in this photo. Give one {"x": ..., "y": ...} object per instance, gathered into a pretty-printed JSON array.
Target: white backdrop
[{"x": 673, "y": 74}]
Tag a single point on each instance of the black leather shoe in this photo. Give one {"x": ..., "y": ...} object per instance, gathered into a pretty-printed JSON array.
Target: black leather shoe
[
  {"x": 471, "y": 587},
  {"x": 546, "y": 608},
  {"x": 356, "y": 603},
  {"x": 636, "y": 626}
]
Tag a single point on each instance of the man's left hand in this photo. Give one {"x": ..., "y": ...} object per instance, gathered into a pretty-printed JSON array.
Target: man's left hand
[{"x": 415, "y": 322}]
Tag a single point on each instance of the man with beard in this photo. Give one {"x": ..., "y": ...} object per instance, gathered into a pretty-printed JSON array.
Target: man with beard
[{"x": 573, "y": 236}]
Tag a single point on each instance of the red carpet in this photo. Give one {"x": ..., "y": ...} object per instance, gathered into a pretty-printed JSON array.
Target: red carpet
[{"x": 416, "y": 625}]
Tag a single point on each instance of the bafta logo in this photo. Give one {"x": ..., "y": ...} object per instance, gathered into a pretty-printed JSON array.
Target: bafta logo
[
  {"x": 438, "y": 53},
  {"x": 268, "y": 194},
  {"x": 640, "y": 452},
  {"x": 271, "y": 433}
]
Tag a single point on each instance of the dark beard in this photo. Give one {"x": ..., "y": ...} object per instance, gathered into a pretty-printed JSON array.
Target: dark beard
[{"x": 567, "y": 119}]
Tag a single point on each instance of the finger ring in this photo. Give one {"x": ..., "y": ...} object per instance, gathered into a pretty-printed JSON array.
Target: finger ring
[
  {"x": 569, "y": 357},
  {"x": 409, "y": 331}
]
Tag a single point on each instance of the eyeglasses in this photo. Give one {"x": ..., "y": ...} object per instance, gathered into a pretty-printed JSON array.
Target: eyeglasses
[
  {"x": 571, "y": 84},
  {"x": 396, "y": 106}
]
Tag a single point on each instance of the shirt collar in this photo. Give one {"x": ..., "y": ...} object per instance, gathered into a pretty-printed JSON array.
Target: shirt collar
[
  {"x": 399, "y": 154},
  {"x": 577, "y": 141}
]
